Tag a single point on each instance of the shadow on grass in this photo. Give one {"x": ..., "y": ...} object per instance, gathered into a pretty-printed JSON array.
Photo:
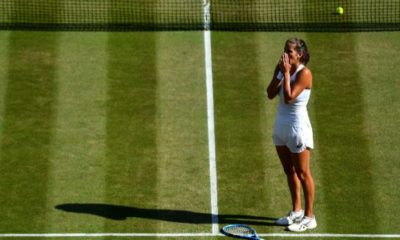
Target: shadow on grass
[{"x": 116, "y": 212}]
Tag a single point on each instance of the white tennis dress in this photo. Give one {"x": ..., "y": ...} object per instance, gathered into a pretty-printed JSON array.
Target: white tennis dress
[{"x": 292, "y": 124}]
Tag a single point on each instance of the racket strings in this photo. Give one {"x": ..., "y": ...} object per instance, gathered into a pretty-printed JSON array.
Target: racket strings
[{"x": 240, "y": 230}]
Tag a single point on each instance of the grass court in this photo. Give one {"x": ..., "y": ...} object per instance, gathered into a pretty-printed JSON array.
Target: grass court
[{"x": 107, "y": 133}]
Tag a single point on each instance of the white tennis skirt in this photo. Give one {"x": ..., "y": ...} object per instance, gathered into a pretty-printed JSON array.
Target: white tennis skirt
[{"x": 297, "y": 137}]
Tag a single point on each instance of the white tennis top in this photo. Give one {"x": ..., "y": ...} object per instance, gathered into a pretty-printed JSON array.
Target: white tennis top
[{"x": 295, "y": 112}]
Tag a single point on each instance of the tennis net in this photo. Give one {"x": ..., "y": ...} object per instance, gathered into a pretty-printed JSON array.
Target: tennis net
[{"x": 223, "y": 15}]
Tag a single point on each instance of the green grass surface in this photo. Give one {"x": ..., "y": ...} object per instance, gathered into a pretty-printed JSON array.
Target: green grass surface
[{"x": 107, "y": 132}]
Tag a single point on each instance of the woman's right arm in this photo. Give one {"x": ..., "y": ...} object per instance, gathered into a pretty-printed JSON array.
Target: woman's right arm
[{"x": 274, "y": 85}]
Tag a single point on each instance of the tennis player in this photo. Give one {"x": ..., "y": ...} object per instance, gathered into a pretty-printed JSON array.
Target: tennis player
[{"x": 293, "y": 136}]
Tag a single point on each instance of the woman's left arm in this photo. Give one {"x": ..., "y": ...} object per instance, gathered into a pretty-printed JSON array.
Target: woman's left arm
[{"x": 292, "y": 90}]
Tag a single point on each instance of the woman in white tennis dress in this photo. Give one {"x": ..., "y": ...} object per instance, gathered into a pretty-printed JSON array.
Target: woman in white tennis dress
[{"x": 293, "y": 137}]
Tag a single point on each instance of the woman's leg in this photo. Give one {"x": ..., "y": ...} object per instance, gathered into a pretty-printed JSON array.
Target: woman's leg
[
  {"x": 301, "y": 163},
  {"x": 293, "y": 181}
]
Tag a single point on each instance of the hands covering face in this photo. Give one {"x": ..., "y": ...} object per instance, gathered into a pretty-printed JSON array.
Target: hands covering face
[{"x": 285, "y": 63}]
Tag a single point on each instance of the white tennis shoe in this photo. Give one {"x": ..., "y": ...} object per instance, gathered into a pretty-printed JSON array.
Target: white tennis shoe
[
  {"x": 307, "y": 223},
  {"x": 291, "y": 218}
]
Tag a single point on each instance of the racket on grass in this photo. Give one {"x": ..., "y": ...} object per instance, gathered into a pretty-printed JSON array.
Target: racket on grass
[{"x": 240, "y": 231}]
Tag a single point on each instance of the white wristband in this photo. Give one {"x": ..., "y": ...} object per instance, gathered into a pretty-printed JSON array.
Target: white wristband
[{"x": 279, "y": 76}]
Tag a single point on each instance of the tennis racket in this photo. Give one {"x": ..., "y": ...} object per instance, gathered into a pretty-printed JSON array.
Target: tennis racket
[{"x": 240, "y": 231}]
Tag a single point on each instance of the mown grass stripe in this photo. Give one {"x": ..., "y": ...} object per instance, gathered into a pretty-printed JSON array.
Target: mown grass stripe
[
  {"x": 131, "y": 146},
  {"x": 4, "y": 46},
  {"x": 378, "y": 61},
  {"x": 182, "y": 153},
  {"x": 28, "y": 126},
  {"x": 239, "y": 141},
  {"x": 76, "y": 173},
  {"x": 342, "y": 141}
]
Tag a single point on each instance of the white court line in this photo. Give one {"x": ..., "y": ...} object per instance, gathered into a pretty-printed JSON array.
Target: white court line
[
  {"x": 210, "y": 118},
  {"x": 94, "y": 235},
  {"x": 178, "y": 235},
  {"x": 329, "y": 235}
]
